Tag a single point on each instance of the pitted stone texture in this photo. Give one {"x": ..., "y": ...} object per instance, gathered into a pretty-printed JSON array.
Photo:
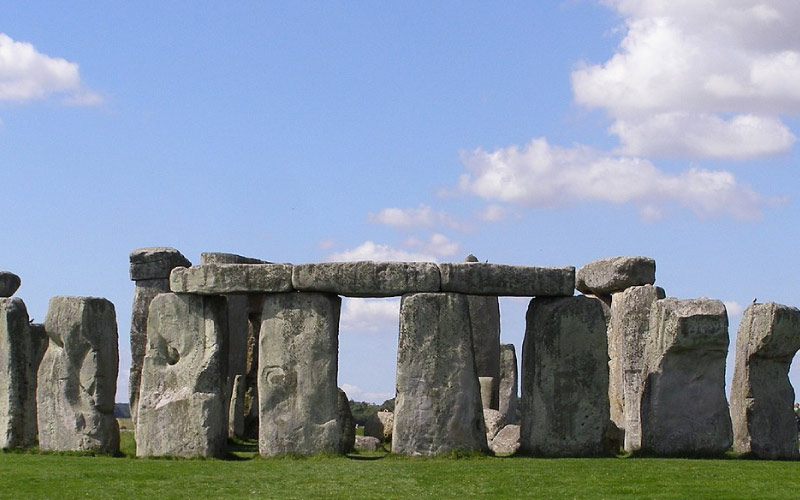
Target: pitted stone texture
[
  {"x": 297, "y": 393},
  {"x": 484, "y": 315},
  {"x": 627, "y": 336},
  {"x": 488, "y": 387},
  {"x": 207, "y": 258},
  {"x": 761, "y": 395},
  {"x": 494, "y": 421},
  {"x": 17, "y": 376},
  {"x": 220, "y": 279},
  {"x": 476, "y": 278},
  {"x": 367, "y": 443},
  {"x": 615, "y": 274},
  {"x": 155, "y": 263},
  {"x": 367, "y": 278},
  {"x": 78, "y": 377},
  {"x": 182, "y": 398},
  {"x": 508, "y": 382},
  {"x": 683, "y": 406},
  {"x": 506, "y": 442},
  {"x": 380, "y": 425},
  {"x": 348, "y": 424},
  {"x": 565, "y": 378},
  {"x": 236, "y": 408},
  {"x": 9, "y": 284},
  {"x": 438, "y": 403}
]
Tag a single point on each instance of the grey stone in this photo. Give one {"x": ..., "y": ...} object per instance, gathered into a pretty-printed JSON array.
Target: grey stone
[
  {"x": 380, "y": 425},
  {"x": 367, "y": 278},
  {"x": 683, "y": 406},
  {"x": 494, "y": 421},
  {"x": 761, "y": 394},
  {"x": 221, "y": 279},
  {"x": 367, "y": 443},
  {"x": 615, "y": 274},
  {"x": 508, "y": 383},
  {"x": 9, "y": 283},
  {"x": 348, "y": 424},
  {"x": 182, "y": 398},
  {"x": 471, "y": 258},
  {"x": 438, "y": 405},
  {"x": 207, "y": 258},
  {"x": 236, "y": 408},
  {"x": 238, "y": 325},
  {"x": 565, "y": 378},
  {"x": 476, "y": 278},
  {"x": 77, "y": 379},
  {"x": 298, "y": 357},
  {"x": 506, "y": 442},
  {"x": 251, "y": 364},
  {"x": 484, "y": 315},
  {"x": 155, "y": 262},
  {"x": 488, "y": 387},
  {"x": 17, "y": 377}
]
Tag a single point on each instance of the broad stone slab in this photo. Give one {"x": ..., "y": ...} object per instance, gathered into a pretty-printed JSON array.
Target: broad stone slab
[
  {"x": 506, "y": 442},
  {"x": 476, "y": 278},
  {"x": 367, "y": 278},
  {"x": 219, "y": 279},
  {"x": 438, "y": 404},
  {"x": 366, "y": 443},
  {"x": 761, "y": 394},
  {"x": 207, "y": 258},
  {"x": 155, "y": 262},
  {"x": 9, "y": 283},
  {"x": 484, "y": 314},
  {"x": 508, "y": 383},
  {"x": 683, "y": 406},
  {"x": 17, "y": 377},
  {"x": 615, "y": 274},
  {"x": 78, "y": 377},
  {"x": 565, "y": 378},
  {"x": 298, "y": 360},
  {"x": 182, "y": 398}
]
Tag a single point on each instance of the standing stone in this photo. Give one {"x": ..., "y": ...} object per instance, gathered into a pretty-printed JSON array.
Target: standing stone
[
  {"x": 380, "y": 425},
  {"x": 607, "y": 276},
  {"x": 348, "y": 424},
  {"x": 761, "y": 396},
  {"x": 484, "y": 315},
  {"x": 488, "y": 387},
  {"x": 236, "y": 408},
  {"x": 182, "y": 403},
  {"x": 9, "y": 284},
  {"x": 17, "y": 377},
  {"x": 255, "y": 302},
  {"x": 565, "y": 378},
  {"x": 683, "y": 406},
  {"x": 508, "y": 383},
  {"x": 78, "y": 377},
  {"x": 298, "y": 360},
  {"x": 438, "y": 404}
]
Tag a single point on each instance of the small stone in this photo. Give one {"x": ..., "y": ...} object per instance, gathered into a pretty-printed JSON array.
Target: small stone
[
  {"x": 155, "y": 262},
  {"x": 615, "y": 274},
  {"x": 476, "y": 278},
  {"x": 508, "y": 383},
  {"x": 506, "y": 442},
  {"x": 367, "y": 278},
  {"x": 494, "y": 422},
  {"x": 9, "y": 283},
  {"x": 367, "y": 443},
  {"x": 471, "y": 258},
  {"x": 221, "y": 279}
]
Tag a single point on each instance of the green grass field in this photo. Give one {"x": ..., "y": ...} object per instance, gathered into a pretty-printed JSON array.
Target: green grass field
[{"x": 39, "y": 475}]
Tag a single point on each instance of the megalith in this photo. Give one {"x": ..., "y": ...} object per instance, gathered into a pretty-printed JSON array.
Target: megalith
[
  {"x": 298, "y": 362},
  {"x": 565, "y": 411},
  {"x": 77, "y": 378},
  {"x": 9, "y": 284},
  {"x": 17, "y": 376},
  {"x": 683, "y": 406},
  {"x": 615, "y": 274},
  {"x": 761, "y": 395},
  {"x": 438, "y": 403},
  {"x": 508, "y": 383},
  {"x": 182, "y": 404}
]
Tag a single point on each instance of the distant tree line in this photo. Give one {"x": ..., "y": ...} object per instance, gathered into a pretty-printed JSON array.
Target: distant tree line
[{"x": 362, "y": 410}]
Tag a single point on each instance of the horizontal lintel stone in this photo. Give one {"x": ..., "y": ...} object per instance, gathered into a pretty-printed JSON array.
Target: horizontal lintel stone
[
  {"x": 207, "y": 258},
  {"x": 367, "y": 278},
  {"x": 479, "y": 278},
  {"x": 218, "y": 279}
]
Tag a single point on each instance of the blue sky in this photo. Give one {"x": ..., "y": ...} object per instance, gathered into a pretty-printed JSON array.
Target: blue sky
[{"x": 532, "y": 133}]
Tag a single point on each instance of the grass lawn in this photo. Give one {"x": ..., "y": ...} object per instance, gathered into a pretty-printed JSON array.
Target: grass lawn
[{"x": 32, "y": 475}]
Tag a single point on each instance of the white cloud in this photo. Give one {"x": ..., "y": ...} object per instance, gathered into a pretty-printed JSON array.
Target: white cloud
[
  {"x": 373, "y": 251},
  {"x": 422, "y": 216},
  {"x": 493, "y": 213},
  {"x": 355, "y": 393},
  {"x": 734, "y": 308},
  {"x": 369, "y": 315},
  {"x": 437, "y": 244}
]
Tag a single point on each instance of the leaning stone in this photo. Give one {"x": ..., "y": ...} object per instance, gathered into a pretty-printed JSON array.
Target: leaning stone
[
  {"x": 508, "y": 383},
  {"x": 207, "y": 258},
  {"x": 761, "y": 395},
  {"x": 78, "y": 377},
  {"x": 438, "y": 404},
  {"x": 683, "y": 406},
  {"x": 367, "y": 443},
  {"x": 17, "y": 377},
  {"x": 297, "y": 393},
  {"x": 348, "y": 424},
  {"x": 494, "y": 422},
  {"x": 236, "y": 408},
  {"x": 220, "y": 279},
  {"x": 506, "y": 442},
  {"x": 182, "y": 402},
  {"x": 476, "y": 278},
  {"x": 488, "y": 391},
  {"x": 615, "y": 274},
  {"x": 380, "y": 425},
  {"x": 9, "y": 283},
  {"x": 565, "y": 378},
  {"x": 367, "y": 278},
  {"x": 484, "y": 315},
  {"x": 155, "y": 263}
]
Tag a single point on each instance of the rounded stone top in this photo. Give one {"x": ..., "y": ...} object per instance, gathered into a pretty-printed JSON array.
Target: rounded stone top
[
  {"x": 9, "y": 283},
  {"x": 471, "y": 258}
]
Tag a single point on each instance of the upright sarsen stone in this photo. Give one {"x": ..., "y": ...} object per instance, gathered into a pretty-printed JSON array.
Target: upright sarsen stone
[
  {"x": 438, "y": 404},
  {"x": 78, "y": 377},
  {"x": 298, "y": 363},
  {"x": 761, "y": 396},
  {"x": 508, "y": 383},
  {"x": 17, "y": 376}
]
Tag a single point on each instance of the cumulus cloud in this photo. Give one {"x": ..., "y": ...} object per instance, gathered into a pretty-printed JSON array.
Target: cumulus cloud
[
  {"x": 422, "y": 216},
  {"x": 493, "y": 213},
  {"x": 380, "y": 252},
  {"x": 369, "y": 315},
  {"x": 437, "y": 244}
]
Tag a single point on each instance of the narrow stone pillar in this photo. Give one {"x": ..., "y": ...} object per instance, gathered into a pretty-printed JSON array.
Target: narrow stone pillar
[
  {"x": 182, "y": 403},
  {"x": 348, "y": 440},
  {"x": 438, "y": 405},
  {"x": 78, "y": 377},
  {"x": 236, "y": 408},
  {"x": 488, "y": 387},
  {"x": 17, "y": 376},
  {"x": 255, "y": 303},
  {"x": 484, "y": 315},
  {"x": 565, "y": 378},
  {"x": 761, "y": 395},
  {"x": 298, "y": 363},
  {"x": 508, "y": 383}
]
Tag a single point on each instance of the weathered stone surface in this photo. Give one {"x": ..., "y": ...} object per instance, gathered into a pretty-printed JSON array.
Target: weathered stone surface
[
  {"x": 508, "y": 383},
  {"x": 155, "y": 262},
  {"x": 506, "y": 442},
  {"x": 627, "y": 336},
  {"x": 207, "y": 258},
  {"x": 615, "y": 274},
  {"x": 238, "y": 326},
  {"x": 221, "y": 279},
  {"x": 182, "y": 399},
  {"x": 77, "y": 379},
  {"x": 488, "y": 387},
  {"x": 484, "y": 315},
  {"x": 438, "y": 405},
  {"x": 367, "y": 443},
  {"x": 251, "y": 395},
  {"x": 236, "y": 408},
  {"x": 683, "y": 406},
  {"x": 761, "y": 394},
  {"x": 477, "y": 278},
  {"x": 494, "y": 421},
  {"x": 367, "y": 278},
  {"x": 298, "y": 361},
  {"x": 348, "y": 424},
  {"x": 380, "y": 425},
  {"x": 9, "y": 283},
  {"x": 565, "y": 378},
  {"x": 17, "y": 377}
]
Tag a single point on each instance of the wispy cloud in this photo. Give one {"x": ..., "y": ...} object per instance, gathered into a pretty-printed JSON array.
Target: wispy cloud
[
  {"x": 422, "y": 216},
  {"x": 370, "y": 315},
  {"x": 380, "y": 252}
]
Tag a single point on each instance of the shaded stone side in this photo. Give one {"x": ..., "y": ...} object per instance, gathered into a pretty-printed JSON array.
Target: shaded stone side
[
  {"x": 380, "y": 425},
  {"x": 155, "y": 263},
  {"x": 251, "y": 366},
  {"x": 348, "y": 441},
  {"x": 508, "y": 383},
  {"x": 484, "y": 315},
  {"x": 9, "y": 284},
  {"x": 480, "y": 278},
  {"x": 298, "y": 361},
  {"x": 761, "y": 394},
  {"x": 77, "y": 378},
  {"x": 367, "y": 278},
  {"x": 615, "y": 274},
  {"x": 17, "y": 378},
  {"x": 438, "y": 403}
]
